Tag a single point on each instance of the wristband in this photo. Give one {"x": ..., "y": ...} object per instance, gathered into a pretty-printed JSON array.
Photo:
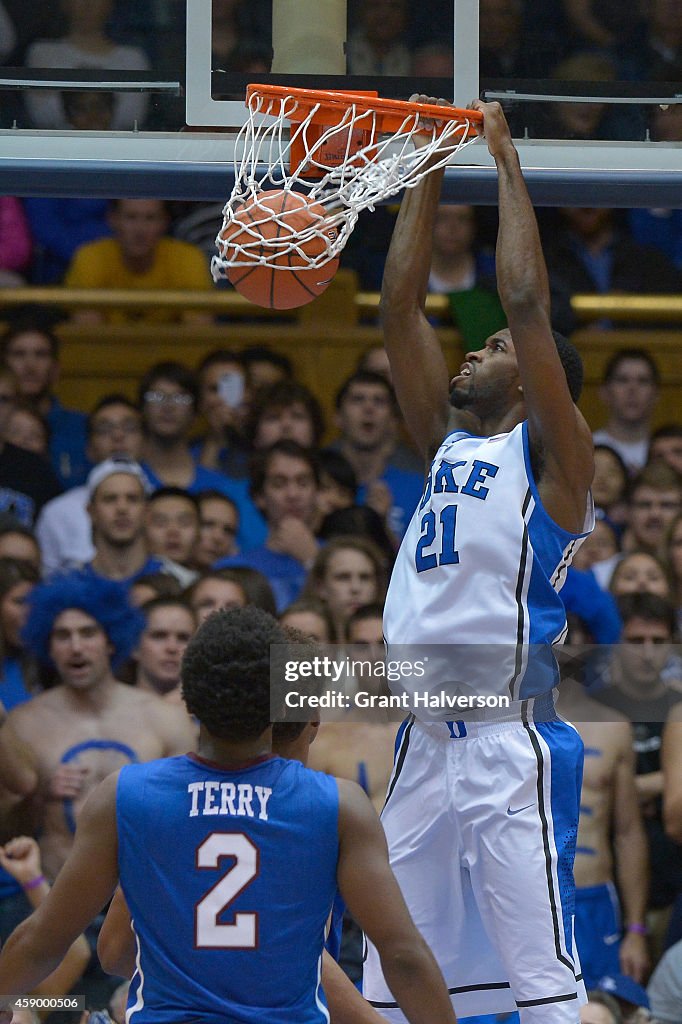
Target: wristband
[
  {"x": 34, "y": 883},
  {"x": 638, "y": 929}
]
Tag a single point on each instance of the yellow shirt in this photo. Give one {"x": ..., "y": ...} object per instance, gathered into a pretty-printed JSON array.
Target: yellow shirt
[{"x": 176, "y": 265}]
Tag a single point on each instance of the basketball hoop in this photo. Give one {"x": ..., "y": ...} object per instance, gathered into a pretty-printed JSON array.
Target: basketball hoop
[{"x": 345, "y": 152}]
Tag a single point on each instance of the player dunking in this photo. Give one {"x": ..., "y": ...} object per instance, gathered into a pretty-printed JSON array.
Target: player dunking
[
  {"x": 229, "y": 861},
  {"x": 481, "y": 815}
]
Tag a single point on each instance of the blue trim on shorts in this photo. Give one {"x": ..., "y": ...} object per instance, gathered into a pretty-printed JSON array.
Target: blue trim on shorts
[
  {"x": 566, "y": 749},
  {"x": 399, "y": 736}
]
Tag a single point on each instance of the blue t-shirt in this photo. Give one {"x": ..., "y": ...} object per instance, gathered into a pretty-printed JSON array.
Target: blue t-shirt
[
  {"x": 12, "y": 686},
  {"x": 406, "y": 489},
  {"x": 229, "y": 875},
  {"x": 286, "y": 575},
  {"x": 12, "y": 692},
  {"x": 232, "y": 461},
  {"x": 661, "y": 229},
  {"x": 583, "y": 596},
  {"x": 152, "y": 565},
  {"x": 59, "y": 227},
  {"x": 252, "y": 527},
  {"x": 68, "y": 441}
]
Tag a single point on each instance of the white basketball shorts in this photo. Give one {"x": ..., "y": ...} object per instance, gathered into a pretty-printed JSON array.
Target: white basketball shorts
[{"x": 481, "y": 821}]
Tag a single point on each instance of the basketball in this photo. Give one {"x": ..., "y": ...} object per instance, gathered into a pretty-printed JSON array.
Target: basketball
[{"x": 277, "y": 217}]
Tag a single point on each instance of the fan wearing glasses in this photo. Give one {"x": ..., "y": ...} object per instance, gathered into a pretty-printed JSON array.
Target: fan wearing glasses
[{"x": 168, "y": 396}]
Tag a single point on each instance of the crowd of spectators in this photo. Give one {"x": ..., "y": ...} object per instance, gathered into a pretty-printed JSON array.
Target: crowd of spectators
[
  {"x": 128, "y": 503},
  {"x": 149, "y": 244},
  {"x": 577, "y": 41},
  {"x": 219, "y": 486}
]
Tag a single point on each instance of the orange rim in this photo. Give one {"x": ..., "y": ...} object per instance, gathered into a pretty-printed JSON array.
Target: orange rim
[{"x": 332, "y": 107}]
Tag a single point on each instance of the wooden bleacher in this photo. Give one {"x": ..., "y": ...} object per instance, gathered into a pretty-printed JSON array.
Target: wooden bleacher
[{"x": 324, "y": 339}]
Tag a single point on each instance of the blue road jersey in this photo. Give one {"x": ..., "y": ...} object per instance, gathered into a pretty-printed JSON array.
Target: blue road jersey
[{"x": 229, "y": 876}]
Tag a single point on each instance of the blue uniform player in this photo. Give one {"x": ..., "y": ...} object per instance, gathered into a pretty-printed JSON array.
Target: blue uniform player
[
  {"x": 481, "y": 814},
  {"x": 116, "y": 946},
  {"x": 229, "y": 860},
  {"x": 244, "y": 830}
]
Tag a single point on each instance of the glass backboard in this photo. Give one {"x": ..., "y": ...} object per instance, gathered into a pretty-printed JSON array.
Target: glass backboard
[{"x": 144, "y": 97}]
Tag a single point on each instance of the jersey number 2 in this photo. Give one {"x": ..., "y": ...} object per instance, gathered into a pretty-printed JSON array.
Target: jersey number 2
[
  {"x": 447, "y": 555},
  {"x": 243, "y": 932}
]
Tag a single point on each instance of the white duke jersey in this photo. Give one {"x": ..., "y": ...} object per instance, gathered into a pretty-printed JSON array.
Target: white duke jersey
[{"x": 482, "y": 563}]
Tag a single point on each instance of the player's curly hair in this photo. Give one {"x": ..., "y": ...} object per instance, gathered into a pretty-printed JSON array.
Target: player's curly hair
[
  {"x": 105, "y": 600},
  {"x": 226, "y": 672},
  {"x": 572, "y": 364}
]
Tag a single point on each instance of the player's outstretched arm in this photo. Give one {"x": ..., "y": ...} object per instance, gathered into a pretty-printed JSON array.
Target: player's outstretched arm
[
  {"x": 374, "y": 899},
  {"x": 82, "y": 888},
  {"x": 418, "y": 368},
  {"x": 558, "y": 432}
]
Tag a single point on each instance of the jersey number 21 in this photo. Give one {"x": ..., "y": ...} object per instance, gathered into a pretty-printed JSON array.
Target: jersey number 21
[{"x": 446, "y": 553}]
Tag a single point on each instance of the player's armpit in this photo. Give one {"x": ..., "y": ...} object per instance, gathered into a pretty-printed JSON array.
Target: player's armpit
[
  {"x": 374, "y": 899},
  {"x": 346, "y": 1005},
  {"x": 116, "y": 943},
  {"x": 557, "y": 430}
]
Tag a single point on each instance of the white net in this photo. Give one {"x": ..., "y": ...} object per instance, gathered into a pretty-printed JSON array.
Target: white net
[{"x": 367, "y": 166}]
